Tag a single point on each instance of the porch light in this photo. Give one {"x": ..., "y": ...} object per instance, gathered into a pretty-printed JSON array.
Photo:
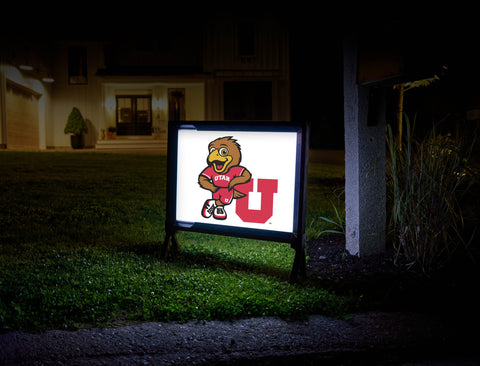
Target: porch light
[
  {"x": 25, "y": 67},
  {"x": 48, "y": 79},
  {"x": 157, "y": 103},
  {"x": 110, "y": 103}
]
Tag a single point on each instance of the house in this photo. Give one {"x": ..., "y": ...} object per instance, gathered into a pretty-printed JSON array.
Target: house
[{"x": 135, "y": 80}]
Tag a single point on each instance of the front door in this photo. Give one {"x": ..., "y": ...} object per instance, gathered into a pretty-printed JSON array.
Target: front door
[{"x": 134, "y": 115}]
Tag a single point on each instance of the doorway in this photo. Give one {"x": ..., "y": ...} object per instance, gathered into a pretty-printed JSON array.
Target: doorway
[{"x": 134, "y": 115}]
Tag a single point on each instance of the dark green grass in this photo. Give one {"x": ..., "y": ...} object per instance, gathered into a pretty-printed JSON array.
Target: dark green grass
[{"x": 80, "y": 235}]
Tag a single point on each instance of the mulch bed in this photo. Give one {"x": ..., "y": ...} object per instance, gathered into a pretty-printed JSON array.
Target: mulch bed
[{"x": 380, "y": 284}]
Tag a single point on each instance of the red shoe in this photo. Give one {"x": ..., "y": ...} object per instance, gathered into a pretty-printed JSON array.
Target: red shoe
[
  {"x": 219, "y": 213},
  {"x": 208, "y": 208}
]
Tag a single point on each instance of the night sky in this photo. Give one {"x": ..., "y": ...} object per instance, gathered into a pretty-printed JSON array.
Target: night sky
[{"x": 428, "y": 39}]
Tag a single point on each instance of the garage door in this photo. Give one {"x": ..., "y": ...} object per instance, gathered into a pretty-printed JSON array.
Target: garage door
[{"x": 22, "y": 118}]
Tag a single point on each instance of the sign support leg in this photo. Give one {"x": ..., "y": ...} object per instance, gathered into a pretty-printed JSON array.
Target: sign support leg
[
  {"x": 299, "y": 267},
  {"x": 166, "y": 247}
]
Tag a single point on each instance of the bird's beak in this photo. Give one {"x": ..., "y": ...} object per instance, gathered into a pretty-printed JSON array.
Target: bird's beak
[{"x": 220, "y": 163}]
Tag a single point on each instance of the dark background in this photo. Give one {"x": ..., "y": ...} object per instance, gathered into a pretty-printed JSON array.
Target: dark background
[{"x": 427, "y": 38}]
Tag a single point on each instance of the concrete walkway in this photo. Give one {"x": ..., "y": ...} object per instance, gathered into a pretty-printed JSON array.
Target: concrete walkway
[{"x": 372, "y": 338}]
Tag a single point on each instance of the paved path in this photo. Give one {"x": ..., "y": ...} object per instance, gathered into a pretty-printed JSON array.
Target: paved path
[{"x": 364, "y": 339}]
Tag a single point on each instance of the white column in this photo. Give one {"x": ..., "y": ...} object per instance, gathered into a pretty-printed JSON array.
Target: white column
[{"x": 365, "y": 193}]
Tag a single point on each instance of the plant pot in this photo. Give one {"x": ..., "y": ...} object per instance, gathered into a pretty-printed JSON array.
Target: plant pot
[{"x": 77, "y": 141}]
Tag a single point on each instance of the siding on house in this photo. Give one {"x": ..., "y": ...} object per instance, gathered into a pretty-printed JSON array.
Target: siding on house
[{"x": 200, "y": 61}]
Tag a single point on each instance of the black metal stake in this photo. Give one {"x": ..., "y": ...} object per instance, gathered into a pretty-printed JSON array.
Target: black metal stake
[
  {"x": 169, "y": 238},
  {"x": 299, "y": 267}
]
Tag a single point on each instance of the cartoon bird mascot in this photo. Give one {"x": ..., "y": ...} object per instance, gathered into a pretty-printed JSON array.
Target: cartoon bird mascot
[{"x": 222, "y": 175}]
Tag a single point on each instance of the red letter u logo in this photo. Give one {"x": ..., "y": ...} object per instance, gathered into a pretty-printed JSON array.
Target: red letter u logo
[{"x": 267, "y": 187}]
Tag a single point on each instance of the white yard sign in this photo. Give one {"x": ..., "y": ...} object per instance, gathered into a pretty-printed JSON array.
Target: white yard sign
[
  {"x": 244, "y": 179},
  {"x": 239, "y": 179}
]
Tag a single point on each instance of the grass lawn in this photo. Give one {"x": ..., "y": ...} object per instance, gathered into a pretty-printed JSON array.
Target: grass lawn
[{"x": 80, "y": 235}]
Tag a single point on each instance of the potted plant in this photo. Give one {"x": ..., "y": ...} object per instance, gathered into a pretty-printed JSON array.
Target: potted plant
[
  {"x": 112, "y": 132},
  {"x": 77, "y": 127}
]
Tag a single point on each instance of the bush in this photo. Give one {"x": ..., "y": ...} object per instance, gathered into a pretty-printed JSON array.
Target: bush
[
  {"x": 75, "y": 123},
  {"x": 425, "y": 181}
]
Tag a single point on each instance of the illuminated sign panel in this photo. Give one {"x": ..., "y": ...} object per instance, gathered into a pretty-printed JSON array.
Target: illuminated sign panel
[{"x": 241, "y": 179}]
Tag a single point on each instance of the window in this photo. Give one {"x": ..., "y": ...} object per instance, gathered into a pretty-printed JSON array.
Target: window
[
  {"x": 134, "y": 115},
  {"x": 77, "y": 65},
  {"x": 246, "y": 39},
  {"x": 247, "y": 101}
]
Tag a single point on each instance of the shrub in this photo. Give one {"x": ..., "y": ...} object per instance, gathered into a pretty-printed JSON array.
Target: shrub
[
  {"x": 75, "y": 123},
  {"x": 425, "y": 181}
]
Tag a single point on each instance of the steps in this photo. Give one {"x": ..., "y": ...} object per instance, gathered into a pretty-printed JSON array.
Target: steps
[{"x": 133, "y": 143}]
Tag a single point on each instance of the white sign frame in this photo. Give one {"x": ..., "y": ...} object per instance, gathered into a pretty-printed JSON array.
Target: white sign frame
[
  {"x": 278, "y": 176},
  {"x": 274, "y": 153}
]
